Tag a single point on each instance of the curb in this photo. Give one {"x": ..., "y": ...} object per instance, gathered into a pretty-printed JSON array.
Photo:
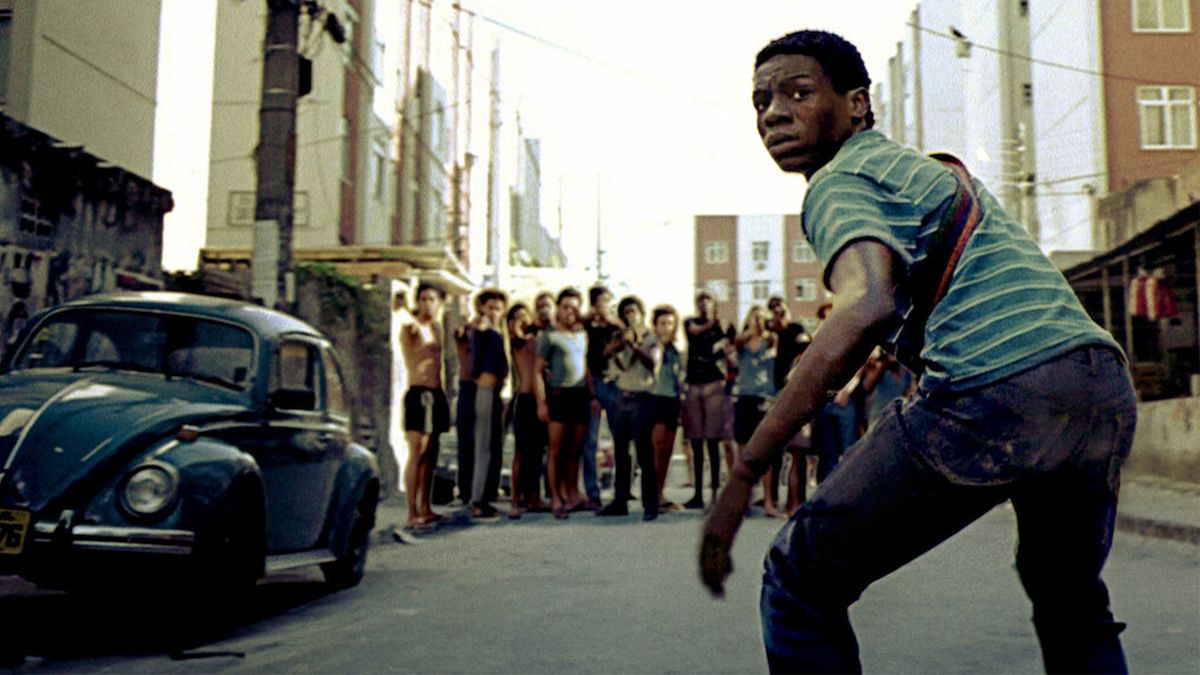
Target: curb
[{"x": 1158, "y": 529}]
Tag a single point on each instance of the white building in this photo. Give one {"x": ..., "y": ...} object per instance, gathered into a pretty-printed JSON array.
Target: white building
[
  {"x": 84, "y": 72},
  {"x": 343, "y": 189}
]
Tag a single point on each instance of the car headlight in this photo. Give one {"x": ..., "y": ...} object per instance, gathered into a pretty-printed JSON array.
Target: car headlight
[{"x": 150, "y": 489}]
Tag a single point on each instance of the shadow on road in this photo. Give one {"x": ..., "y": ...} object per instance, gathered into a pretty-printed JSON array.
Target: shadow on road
[{"x": 61, "y": 627}]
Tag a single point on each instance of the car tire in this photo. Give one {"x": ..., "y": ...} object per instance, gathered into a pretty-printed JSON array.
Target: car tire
[
  {"x": 351, "y": 563},
  {"x": 231, "y": 552}
]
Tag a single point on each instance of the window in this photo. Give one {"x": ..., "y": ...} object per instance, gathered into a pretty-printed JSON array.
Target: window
[
  {"x": 379, "y": 171},
  {"x": 1161, "y": 16},
  {"x": 335, "y": 389},
  {"x": 296, "y": 373},
  {"x": 345, "y": 128},
  {"x": 802, "y": 252},
  {"x": 806, "y": 289},
  {"x": 1168, "y": 117},
  {"x": 719, "y": 288},
  {"x": 760, "y": 290},
  {"x": 760, "y": 251},
  {"x": 5, "y": 46},
  {"x": 716, "y": 252}
]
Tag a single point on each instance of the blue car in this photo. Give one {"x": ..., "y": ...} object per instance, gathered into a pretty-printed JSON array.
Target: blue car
[{"x": 147, "y": 436}]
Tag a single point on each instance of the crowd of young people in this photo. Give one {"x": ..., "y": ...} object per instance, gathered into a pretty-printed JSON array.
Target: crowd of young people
[{"x": 569, "y": 370}]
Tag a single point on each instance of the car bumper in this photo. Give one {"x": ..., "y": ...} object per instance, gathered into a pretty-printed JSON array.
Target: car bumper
[{"x": 115, "y": 539}]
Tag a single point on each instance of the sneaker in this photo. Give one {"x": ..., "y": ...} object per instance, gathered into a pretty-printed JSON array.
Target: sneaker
[
  {"x": 593, "y": 504},
  {"x": 649, "y": 515},
  {"x": 695, "y": 503},
  {"x": 617, "y": 508}
]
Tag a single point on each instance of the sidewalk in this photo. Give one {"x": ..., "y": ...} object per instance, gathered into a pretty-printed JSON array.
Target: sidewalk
[
  {"x": 1158, "y": 508},
  {"x": 1149, "y": 507}
]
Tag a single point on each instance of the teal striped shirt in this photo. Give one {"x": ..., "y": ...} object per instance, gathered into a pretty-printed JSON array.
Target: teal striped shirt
[{"x": 1007, "y": 309}]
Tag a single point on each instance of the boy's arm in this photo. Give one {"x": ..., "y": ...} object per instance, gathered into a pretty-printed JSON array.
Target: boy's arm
[{"x": 864, "y": 280}]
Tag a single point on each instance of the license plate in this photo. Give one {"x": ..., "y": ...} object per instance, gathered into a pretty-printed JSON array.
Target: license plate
[{"x": 13, "y": 526}]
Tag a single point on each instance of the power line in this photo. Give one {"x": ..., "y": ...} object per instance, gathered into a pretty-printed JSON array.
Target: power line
[{"x": 1026, "y": 57}]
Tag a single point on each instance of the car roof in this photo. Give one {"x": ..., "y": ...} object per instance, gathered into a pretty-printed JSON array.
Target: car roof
[{"x": 256, "y": 317}]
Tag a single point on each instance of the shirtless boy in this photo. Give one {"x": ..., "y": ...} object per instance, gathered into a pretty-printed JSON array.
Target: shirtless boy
[
  {"x": 426, "y": 411},
  {"x": 529, "y": 433}
]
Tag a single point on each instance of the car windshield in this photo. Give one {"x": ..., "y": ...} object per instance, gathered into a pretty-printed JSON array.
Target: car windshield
[{"x": 173, "y": 345}]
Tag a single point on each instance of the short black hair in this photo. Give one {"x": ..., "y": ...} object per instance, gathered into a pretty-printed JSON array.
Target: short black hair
[
  {"x": 596, "y": 291},
  {"x": 704, "y": 294},
  {"x": 489, "y": 294},
  {"x": 664, "y": 310},
  {"x": 838, "y": 57},
  {"x": 544, "y": 294},
  {"x": 626, "y": 302},
  {"x": 568, "y": 292},
  {"x": 776, "y": 300},
  {"x": 514, "y": 310},
  {"x": 425, "y": 286}
]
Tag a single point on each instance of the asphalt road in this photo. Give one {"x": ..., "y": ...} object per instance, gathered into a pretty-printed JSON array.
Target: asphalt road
[{"x": 606, "y": 595}]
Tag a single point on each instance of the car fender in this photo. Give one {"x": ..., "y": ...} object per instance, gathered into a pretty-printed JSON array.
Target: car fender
[
  {"x": 359, "y": 472},
  {"x": 208, "y": 469}
]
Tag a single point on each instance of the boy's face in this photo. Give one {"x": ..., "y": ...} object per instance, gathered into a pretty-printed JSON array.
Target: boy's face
[
  {"x": 427, "y": 303},
  {"x": 494, "y": 309},
  {"x": 664, "y": 327},
  {"x": 632, "y": 315},
  {"x": 544, "y": 309},
  {"x": 568, "y": 311}
]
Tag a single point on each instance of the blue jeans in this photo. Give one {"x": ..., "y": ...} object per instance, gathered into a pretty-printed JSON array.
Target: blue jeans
[
  {"x": 1052, "y": 440},
  {"x": 609, "y": 397},
  {"x": 833, "y": 433},
  {"x": 633, "y": 424}
]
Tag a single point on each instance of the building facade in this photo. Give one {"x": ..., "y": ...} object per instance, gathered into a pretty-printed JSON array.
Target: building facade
[
  {"x": 743, "y": 260},
  {"x": 88, "y": 78},
  {"x": 1057, "y": 104},
  {"x": 70, "y": 226},
  {"x": 343, "y": 186}
]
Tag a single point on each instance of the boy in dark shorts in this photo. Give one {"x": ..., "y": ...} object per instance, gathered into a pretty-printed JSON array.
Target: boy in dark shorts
[
  {"x": 564, "y": 399},
  {"x": 426, "y": 411},
  {"x": 529, "y": 433}
]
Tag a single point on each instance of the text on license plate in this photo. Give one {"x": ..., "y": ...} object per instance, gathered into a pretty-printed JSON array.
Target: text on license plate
[{"x": 13, "y": 526}]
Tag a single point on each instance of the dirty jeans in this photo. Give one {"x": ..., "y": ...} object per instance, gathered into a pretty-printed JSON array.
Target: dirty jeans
[{"x": 1052, "y": 440}]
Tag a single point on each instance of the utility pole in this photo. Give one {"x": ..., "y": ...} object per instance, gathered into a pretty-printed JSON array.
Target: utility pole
[
  {"x": 600, "y": 276},
  {"x": 493, "y": 178},
  {"x": 276, "y": 156},
  {"x": 1016, "y": 116},
  {"x": 918, "y": 100}
]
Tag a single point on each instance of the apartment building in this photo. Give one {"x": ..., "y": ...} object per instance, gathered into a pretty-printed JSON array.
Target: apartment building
[
  {"x": 1056, "y": 104},
  {"x": 743, "y": 260},
  {"x": 85, "y": 73},
  {"x": 343, "y": 187}
]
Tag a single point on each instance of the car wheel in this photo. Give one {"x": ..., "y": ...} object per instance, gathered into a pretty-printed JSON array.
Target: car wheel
[
  {"x": 231, "y": 555},
  {"x": 348, "y": 569}
]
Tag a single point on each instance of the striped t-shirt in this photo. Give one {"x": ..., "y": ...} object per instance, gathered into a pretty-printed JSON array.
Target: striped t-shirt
[{"x": 1007, "y": 309}]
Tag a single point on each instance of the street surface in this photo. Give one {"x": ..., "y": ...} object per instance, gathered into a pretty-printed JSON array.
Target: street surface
[{"x": 611, "y": 595}]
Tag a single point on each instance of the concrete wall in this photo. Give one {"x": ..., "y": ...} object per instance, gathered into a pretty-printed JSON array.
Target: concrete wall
[
  {"x": 1167, "y": 444},
  {"x": 86, "y": 72}
]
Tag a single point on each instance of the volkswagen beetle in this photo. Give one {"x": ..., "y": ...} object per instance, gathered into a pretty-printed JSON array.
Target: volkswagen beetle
[{"x": 152, "y": 435}]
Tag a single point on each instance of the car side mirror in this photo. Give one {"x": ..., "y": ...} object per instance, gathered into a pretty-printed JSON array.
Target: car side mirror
[{"x": 292, "y": 399}]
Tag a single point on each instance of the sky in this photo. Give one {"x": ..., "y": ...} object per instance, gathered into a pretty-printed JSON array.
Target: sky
[{"x": 649, "y": 99}]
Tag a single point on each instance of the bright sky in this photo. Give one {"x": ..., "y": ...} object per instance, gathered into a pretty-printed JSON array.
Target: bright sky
[{"x": 651, "y": 95}]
